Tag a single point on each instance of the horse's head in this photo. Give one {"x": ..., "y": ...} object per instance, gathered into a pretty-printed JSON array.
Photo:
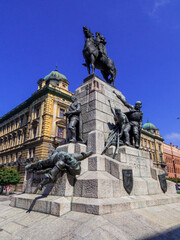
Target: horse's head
[{"x": 87, "y": 32}]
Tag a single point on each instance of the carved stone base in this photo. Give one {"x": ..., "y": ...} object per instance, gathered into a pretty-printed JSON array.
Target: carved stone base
[
  {"x": 53, "y": 205},
  {"x": 113, "y": 205},
  {"x": 100, "y": 190}
]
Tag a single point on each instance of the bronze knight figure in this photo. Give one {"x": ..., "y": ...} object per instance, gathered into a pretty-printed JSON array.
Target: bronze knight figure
[
  {"x": 119, "y": 135},
  {"x": 74, "y": 122},
  {"x": 135, "y": 119}
]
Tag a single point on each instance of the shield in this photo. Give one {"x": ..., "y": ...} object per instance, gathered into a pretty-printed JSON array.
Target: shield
[
  {"x": 163, "y": 182},
  {"x": 127, "y": 180}
]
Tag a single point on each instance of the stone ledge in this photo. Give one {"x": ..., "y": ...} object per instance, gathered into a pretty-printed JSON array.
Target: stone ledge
[
  {"x": 53, "y": 205},
  {"x": 112, "y": 205}
]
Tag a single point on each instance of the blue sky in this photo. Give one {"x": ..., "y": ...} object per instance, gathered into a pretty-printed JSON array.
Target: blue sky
[{"x": 143, "y": 39}]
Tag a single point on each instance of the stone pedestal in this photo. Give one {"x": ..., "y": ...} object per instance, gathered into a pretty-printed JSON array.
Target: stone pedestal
[
  {"x": 94, "y": 96},
  {"x": 99, "y": 188}
]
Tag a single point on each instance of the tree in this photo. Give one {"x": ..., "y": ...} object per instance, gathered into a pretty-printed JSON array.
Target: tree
[{"x": 9, "y": 176}]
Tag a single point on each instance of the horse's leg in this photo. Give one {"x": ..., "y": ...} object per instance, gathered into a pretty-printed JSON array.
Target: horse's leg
[
  {"x": 105, "y": 76},
  {"x": 113, "y": 73},
  {"x": 88, "y": 66},
  {"x": 92, "y": 59}
]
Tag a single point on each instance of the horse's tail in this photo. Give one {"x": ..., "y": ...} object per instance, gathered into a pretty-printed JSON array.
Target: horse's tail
[{"x": 115, "y": 72}]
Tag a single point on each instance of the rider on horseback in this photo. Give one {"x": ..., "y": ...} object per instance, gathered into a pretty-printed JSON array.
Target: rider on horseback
[
  {"x": 101, "y": 42},
  {"x": 95, "y": 55}
]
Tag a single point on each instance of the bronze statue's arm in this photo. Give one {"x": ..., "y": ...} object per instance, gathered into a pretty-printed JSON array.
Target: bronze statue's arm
[
  {"x": 81, "y": 156},
  {"x": 140, "y": 123},
  {"x": 124, "y": 101},
  {"x": 123, "y": 126},
  {"x": 78, "y": 110},
  {"x": 112, "y": 109}
]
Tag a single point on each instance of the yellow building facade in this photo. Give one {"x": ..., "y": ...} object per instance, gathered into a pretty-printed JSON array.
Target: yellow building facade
[
  {"x": 152, "y": 142},
  {"x": 31, "y": 130}
]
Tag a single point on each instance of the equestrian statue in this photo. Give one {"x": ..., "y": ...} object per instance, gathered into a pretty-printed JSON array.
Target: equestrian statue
[{"x": 95, "y": 55}]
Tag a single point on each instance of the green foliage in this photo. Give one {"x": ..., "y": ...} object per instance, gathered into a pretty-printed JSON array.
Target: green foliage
[
  {"x": 9, "y": 176},
  {"x": 174, "y": 180}
]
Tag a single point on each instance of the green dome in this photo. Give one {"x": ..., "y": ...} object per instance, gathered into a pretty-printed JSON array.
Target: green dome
[
  {"x": 55, "y": 75},
  {"x": 149, "y": 126}
]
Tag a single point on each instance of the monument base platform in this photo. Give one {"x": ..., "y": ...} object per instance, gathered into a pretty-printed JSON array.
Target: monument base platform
[
  {"x": 99, "y": 189},
  {"x": 59, "y": 206}
]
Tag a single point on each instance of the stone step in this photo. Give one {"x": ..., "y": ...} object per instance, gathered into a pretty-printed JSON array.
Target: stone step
[
  {"x": 112, "y": 205},
  {"x": 101, "y": 184},
  {"x": 53, "y": 205}
]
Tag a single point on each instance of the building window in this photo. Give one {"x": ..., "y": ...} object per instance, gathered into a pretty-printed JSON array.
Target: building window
[
  {"x": 34, "y": 131},
  {"x": 16, "y": 123},
  {"x": 33, "y": 152},
  {"x": 27, "y": 116},
  {"x": 12, "y": 126},
  {"x": 29, "y": 152},
  {"x": 37, "y": 112},
  {"x": 14, "y": 140},
  {"x": 61, "y": 113},
  {"x": 8, "y": 128},
  {"x": 21, "y": 121},
  {"x": 19, "y": 139},
  {"x": 60, "y": 132},
  {"x": 24, "y": 136}
]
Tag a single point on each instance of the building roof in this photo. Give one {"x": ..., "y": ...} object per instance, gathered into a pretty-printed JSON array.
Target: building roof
[
  {"x": 149, "y": 126},
  {"x": 55, "y": 75},
  {"x": 35, "y": 96}
]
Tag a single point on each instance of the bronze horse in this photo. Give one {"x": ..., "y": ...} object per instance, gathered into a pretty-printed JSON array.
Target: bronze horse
[{"x": 96, "y": 59}]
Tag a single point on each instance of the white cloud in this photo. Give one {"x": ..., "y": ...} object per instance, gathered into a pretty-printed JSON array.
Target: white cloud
[
  {"x": 158, "y": 4},
  {"x": 173, "y": 136}
]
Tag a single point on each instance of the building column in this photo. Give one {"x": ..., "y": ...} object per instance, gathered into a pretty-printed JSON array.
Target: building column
[
  {"x": 40, "y": 119},
  {"x": 53, "y": 132}
]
